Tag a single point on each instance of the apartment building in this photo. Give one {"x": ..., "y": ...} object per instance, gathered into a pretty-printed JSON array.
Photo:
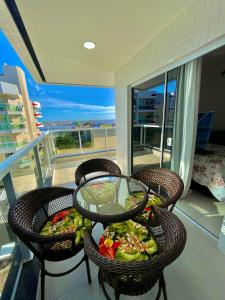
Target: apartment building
[{"x": 18, "y": 115}]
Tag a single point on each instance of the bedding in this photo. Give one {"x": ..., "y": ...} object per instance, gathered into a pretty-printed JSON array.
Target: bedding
[{"x": 209, "y": 170}]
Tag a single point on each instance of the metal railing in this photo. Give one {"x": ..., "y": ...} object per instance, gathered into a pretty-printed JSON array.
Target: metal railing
[
  {"x": 148, "y": 135},
  {"x": 74, "y": 142}
]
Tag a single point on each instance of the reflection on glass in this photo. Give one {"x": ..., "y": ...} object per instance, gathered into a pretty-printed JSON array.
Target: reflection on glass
[
  {"x": 169, "y": 117},
  {"x": 24, "y": 174},
  {"x": 111, "y": 195},
  {"x": 152, "y": 131},
  {"x": 43, "y": 159},
  {"x": 111, "y": 137},
  {"x": 148, "y": 101},
  {"x": 7, "y": 239}
]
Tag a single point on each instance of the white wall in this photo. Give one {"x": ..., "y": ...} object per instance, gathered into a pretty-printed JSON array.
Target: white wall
[
  {"x": 200, "y": 28},
  {"x": 212, "y": 94}
]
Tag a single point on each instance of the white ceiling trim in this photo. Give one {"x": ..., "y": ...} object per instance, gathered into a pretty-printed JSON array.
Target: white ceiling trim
[{"x": 9, "y": 28}]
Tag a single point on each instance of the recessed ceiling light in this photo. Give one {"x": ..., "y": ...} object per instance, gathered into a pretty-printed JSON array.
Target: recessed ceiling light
[{"x": 89, "y": 45}]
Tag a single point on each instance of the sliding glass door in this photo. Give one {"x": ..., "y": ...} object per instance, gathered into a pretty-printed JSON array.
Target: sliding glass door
[{"x": 153, "y": 108}]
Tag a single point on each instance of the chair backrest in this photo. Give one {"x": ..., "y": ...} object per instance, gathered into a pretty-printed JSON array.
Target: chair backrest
[
  {"x": 30, "y": 212},
  {"x": 164, "y": 182},
  {"x": 99, "y": 166}
]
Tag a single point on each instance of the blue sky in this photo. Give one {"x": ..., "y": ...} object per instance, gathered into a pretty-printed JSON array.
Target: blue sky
[{"x": 63, "y": 102}]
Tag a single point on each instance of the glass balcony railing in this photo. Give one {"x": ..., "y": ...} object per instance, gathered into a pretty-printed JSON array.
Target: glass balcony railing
[
  {"x": 84, "y": 140},
  {"x": 32, "y": 167},
  {"x": 17, "y": 126},
  {"x": 11, "y": 145},
  {"x": 11, "y": 126},
  {"x": 10, "y": 108}
]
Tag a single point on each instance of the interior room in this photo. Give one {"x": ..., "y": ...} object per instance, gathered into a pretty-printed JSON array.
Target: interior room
[{"x": 205, "y": 201}]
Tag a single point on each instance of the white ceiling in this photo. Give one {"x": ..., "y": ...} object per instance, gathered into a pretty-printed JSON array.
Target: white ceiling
[{"x": 120, "y": 28}]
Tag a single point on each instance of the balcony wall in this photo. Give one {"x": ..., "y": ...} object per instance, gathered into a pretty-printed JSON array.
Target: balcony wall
[{"x": 199, "y": 29}]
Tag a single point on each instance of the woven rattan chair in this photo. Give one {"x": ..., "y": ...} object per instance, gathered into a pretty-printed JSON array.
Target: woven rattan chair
[
  {"x": 30, "y": 213},
  {"x": 136, "y": 278},
  {"x": 95, "y": 167},
  {"x": 167, "y": 184}
]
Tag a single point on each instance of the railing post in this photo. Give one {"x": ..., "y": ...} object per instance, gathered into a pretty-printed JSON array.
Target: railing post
[
  {"x": 106, "y": 138},
  {"x": 46, "y": 149},
  {"x": 38, "y": 164},
  {"x": 80, "y": 142},
  {"x": 144, "y": 135},
  {"x": 52, "y": 141},
  {"x": 9, "y": 188},
  {"x": 141, "y": 136}
]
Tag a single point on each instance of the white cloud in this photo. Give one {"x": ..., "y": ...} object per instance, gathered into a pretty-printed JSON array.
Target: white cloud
[{"x": 51, "y": 102}]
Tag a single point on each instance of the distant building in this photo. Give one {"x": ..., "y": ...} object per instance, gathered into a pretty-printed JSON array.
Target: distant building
[
  {"x": 148, "y": 107},
  {"x": 18, "y": 123}
]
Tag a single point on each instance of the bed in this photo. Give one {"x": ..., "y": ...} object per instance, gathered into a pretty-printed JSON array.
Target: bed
[{"x": 209, "y": 169}]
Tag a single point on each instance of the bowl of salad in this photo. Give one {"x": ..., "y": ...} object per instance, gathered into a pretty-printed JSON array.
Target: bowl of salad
[{"x": 127, "y": 241}]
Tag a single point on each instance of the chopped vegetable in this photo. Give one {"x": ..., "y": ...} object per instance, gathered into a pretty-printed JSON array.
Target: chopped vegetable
[
  {"x": 127, "y": 241},
  {"x": 67, "y": 221}
]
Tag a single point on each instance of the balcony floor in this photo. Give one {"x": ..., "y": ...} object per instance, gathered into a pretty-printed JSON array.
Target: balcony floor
[
  {"x": 65, "y": 167},
  {"x": 197, "y": 274}
]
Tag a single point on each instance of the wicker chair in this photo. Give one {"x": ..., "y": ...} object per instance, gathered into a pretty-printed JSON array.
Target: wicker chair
[
  {"x": 95, "y": 167},
  {"x": 26, "y": 218},
  {"x": 167, "y": 184},
  {"x": 136, "y": 278}
]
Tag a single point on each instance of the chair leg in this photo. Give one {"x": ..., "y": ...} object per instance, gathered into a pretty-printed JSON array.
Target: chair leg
[
  {"x": 42, "y": 280},
  {"x": 99, "y": 276},
  {"x": 117, "y": 295},
  {"x": 116, "y": 291},
  {"x": 103, "y": 286},
  {"x": 164, "y": 288},
  {"x": 159, "y": 288},
  {"x": 88, "y": 269}
]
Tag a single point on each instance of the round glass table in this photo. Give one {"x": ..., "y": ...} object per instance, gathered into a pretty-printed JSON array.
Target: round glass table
[{"x": 109, "y": 198}]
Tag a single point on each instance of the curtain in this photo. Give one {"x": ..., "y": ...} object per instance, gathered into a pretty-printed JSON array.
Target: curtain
[{"x": 186, "y": 118}]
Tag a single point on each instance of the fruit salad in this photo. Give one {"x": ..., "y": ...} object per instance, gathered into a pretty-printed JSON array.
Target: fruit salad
[
  {"x": 127, "y": 241},
  {"x": 99, "y": 193},
  {"x": 67, "y": 221}
]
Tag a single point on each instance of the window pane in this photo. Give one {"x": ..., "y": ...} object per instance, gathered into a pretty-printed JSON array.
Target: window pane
[
  {"x": 24, "y": 174},
  {"x": 148, "y": 100}
]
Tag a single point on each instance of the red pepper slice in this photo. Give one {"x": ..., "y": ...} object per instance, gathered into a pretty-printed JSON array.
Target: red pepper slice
[
  {"x": 101, "y": 240},
  {"x": 116, "y": 245},
  {"x": 110, "y": 253},
  {"x": 102, "y": 249},
  {"x": 60, "y": 216},
  {"x": 147, "y": 208}
]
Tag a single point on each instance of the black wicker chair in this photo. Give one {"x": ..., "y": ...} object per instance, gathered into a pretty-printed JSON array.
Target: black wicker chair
[
  {"x": 167, "y": 184},
  {"x": 30, "y": 213},
  {"x": 95, "y": 167},
  {"x": 136, "y": 278}
]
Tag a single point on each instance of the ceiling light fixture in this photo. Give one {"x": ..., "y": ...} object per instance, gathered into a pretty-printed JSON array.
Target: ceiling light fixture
[{"x": 89, "y": 45}]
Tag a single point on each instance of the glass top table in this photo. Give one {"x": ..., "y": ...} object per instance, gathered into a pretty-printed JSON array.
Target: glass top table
[{"x": 110, "y": 198}]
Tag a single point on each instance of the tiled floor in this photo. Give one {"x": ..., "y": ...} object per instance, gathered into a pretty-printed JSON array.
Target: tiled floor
[
  {"x": 205, "y": 210},
  {"x": 196, "y": 275},
  {"x": 65, "y": 167}
]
